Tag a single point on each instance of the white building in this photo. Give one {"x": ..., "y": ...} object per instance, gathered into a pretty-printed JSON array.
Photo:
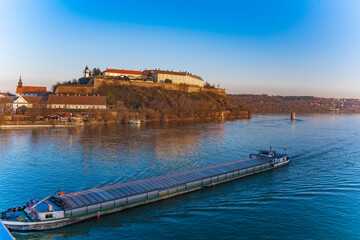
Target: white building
[
  {"x": 162, "y": 76},
  {"x": 76, "y": 102},
  {"x": 28, "y": 102}
]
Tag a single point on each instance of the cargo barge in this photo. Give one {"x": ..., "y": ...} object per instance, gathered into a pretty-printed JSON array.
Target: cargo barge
[{"x": 60, "y": 209}]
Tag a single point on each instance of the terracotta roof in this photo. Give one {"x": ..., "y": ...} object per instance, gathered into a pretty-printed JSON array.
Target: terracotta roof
[
  {"x": 146, "y": 72},
  {"x": 81, "y": 100},
  {"x": 29, "y": 89},
  {"x": 32, "y": 99},
  {"x": 123, "y": 71}
]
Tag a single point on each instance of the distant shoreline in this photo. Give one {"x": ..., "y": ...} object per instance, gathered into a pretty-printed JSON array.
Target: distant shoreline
[{"x": 35, "y": 126}]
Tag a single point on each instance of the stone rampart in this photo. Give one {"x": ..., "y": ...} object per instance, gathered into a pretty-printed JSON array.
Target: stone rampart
[
  {"x": 168, "y": 86},
  {"x": 74, "y": 89},
  {"x": 98, "y": 82}
]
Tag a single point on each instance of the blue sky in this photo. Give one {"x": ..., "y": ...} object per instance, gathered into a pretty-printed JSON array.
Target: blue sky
[{"x": 279, "y": 47}]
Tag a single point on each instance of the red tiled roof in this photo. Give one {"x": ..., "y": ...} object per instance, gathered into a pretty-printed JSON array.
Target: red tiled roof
[
  {"x": 146, "y": 72},
  {"x": 28, "y": 89},
  {"x": 123, "y": 71},
  {"x": 82, "y": 100},
  {"x": 32, "y": 99}
]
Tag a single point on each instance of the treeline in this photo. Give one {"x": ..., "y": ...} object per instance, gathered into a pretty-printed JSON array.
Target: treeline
[{"x": 286, "y": 104}]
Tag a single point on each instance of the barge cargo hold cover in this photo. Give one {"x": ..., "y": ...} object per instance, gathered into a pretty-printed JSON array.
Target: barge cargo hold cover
[{"x": 64, "y": 209}]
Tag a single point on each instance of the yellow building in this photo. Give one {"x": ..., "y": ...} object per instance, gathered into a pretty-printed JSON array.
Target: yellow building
[{"x": 162, "y": 76}]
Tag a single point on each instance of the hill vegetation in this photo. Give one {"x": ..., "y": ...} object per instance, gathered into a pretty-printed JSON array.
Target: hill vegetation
[{"x": 155, "y": 103}]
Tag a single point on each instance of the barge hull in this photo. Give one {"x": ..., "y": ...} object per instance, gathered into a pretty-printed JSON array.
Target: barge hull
[{"x": 48, "y": 225}]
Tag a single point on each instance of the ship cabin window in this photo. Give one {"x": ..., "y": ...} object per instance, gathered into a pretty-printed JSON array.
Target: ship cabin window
[{"x": 48, "y": 216}]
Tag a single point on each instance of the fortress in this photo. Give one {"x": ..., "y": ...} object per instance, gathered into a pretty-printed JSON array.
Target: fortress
[{"x": 170, "y": 80}]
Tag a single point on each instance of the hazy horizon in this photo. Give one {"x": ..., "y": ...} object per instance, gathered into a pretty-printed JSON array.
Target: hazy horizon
[{"x": 302, "y": 47}]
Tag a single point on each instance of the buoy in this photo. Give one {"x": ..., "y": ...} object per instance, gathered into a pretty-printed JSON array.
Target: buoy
[
  {"x": 213, "y": 184},
  {"x": 98, "y": 215}
]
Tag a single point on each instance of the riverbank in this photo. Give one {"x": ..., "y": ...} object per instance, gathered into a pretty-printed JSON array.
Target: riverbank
[
  {"x": 38, "y": 124},
  {"x": 114, "y": 117}
]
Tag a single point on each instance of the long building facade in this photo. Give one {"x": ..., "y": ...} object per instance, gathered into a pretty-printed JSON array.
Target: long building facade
[
  {"x": 76, "y": 102},
  {"x": 162, "y": 76}
]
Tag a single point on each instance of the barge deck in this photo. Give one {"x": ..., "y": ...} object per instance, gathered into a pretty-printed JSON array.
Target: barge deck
[{"x": 62, "y": 210}]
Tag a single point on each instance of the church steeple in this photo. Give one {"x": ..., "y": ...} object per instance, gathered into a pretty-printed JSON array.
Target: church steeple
[
  {"x": 20, "y": 82},
  {"x": 87, "y": 72}
]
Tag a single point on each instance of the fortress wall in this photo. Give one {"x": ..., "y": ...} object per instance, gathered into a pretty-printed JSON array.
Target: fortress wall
[
  {"x": 75, "y": 89},
  {"x": 98, "y": 82}
]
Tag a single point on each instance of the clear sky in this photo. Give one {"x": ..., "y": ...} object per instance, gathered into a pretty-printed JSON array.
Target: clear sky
[{"x": 278, "y": 47}]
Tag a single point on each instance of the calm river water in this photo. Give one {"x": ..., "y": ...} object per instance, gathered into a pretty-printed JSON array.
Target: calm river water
[{"x": 316, "y": 197}]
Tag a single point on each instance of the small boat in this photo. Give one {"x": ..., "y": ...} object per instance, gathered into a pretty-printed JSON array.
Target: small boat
[
  {"x": 60, "y": 209},
  {"x": 135, "y": 121}
]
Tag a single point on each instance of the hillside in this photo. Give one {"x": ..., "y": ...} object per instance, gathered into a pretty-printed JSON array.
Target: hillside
[
  {"x": 155, "y": 104},
  {"x": 301, "y": 104}
]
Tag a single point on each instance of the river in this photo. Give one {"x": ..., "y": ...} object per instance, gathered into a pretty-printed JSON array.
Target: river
[{"x": 317, "y": 196}]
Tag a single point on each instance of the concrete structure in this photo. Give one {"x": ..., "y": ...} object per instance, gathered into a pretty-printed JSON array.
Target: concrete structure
[
  {"x": 29, "y": 90},
  {"x": 161, "y": 76},
  {"x": 123, "y": 73},
  {"x": 28, "y": 102},
  {"x": 61, "y": 101},
  {"x": 293, "y": 117}
]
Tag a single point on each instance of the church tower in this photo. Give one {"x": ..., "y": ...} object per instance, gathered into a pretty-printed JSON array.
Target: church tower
[
  {"x": 20, "y": 82},
  {"x": 87, "y": 72}
]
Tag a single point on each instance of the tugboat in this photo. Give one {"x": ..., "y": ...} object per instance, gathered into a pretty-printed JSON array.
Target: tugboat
[
  {"x": 277, "y": 159},
  {"x": 60, "y": 209}
]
